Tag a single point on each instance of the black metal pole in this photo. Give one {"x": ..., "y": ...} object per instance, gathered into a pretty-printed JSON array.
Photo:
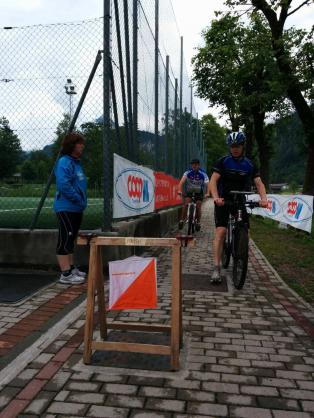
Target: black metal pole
[
  {"x": 175, "y": 148},
  {"x": 121, "y": 67},
  {"x": 128, "y": 76},
  {"x": 135, "y": 79},
  {"x": 107, "y": 156},
  {"x": 115, "y": 109},
  {"x": 197, "y": 137},
  {"x": 191, "y": 139},
  {"x": 167, "y": 116},
  {"x": 157, "y": 156},
  {"x": 70, "y": 129},
  {"x": 182, "y": 156},
  {"x": 185, "y": 139}
]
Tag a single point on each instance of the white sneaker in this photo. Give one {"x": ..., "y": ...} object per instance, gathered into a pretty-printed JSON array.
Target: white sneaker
[
  {"x": 215, "y": 277},
  {"x": 78, "y": 272},
  {"x": 71, "y": 279}
]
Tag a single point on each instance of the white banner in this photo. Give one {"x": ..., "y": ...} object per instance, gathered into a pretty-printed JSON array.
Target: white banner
[
  {"x": 133, "y": 188},
  {"x": 294, "y": 210}
]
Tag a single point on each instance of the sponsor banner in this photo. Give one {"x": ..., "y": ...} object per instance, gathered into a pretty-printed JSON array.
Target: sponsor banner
[
  {"x": 166, "y": 188},
  {"x": 133, "y": 188},
  {"x": 294, "y": 210}
]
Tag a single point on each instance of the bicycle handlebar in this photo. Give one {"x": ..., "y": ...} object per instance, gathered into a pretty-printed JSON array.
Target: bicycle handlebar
[{"x": 250, "y": 203}]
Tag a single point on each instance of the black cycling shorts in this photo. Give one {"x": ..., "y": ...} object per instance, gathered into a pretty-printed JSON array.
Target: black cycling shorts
[
  {"x": 222, "y": 215},
  {"x": 69, "y": 225},
  {"x": 198, "y": 196}
]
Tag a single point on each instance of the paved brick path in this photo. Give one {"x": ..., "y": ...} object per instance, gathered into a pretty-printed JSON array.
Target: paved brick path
[{"x": 247, "y": 353}]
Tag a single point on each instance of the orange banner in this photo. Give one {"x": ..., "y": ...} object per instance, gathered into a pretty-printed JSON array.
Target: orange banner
[{"x": 166, "y": 188}]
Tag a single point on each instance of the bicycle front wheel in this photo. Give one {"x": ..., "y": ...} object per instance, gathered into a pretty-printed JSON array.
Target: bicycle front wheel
[
  {"x": 240, "y": 256},
  {"x": 191, "y": 225}
]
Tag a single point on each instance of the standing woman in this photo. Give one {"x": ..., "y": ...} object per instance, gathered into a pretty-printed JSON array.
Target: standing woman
[{"x": 69, "y": 204}]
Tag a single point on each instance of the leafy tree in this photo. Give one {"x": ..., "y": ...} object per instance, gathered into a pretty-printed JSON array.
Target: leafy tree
[
  {"x": 214, "y": 137},
  {"x": 93, "y": 153},
  {"x": 62, "y": 129},
  {"x": 288, "y": 161},
  {"x": 36, "y": 167},
  {"x": 11, "y": 151},
  {"x": 28, "y": 171},
  {"x": 296, "y": 81},
  {"x": 234, "y": 70}
]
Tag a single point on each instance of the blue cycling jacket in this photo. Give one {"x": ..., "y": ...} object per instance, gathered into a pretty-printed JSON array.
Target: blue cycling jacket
[
  {"x": 71, "y": 185},
  {"x": 236, "y": 174}
]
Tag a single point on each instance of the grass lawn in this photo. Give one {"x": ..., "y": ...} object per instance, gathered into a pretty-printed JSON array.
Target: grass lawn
[
  {"x": 18, "y": 212},
  {"x": 290, "y": 252}
]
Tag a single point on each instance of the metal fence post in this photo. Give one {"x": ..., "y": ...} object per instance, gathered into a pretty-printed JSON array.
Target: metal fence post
[
  {"x": 135, "y": 80},
  {"x": 191, "y": 139},
  {"x": 167, "y": 117},
  {"x": 185, "y": 139},
  {"x": 175, "y": 147},
  {"x": 121, "y": 67},
  {"x": 128, "y": 75},
  {"x": 181, "y": 139},
  {"x": 115, "y": 109},
  {"x": 197, "y": 148},
  {"x": 157, "y": 156},
  {"x": 107, "y": 157}
]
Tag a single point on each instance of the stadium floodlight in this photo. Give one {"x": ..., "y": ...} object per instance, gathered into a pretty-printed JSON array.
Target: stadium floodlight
[{"x": 70, "y": 91}]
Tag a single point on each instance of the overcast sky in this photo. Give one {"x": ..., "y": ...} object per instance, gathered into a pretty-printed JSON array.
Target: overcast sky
[{"x": 191, "y": 18}]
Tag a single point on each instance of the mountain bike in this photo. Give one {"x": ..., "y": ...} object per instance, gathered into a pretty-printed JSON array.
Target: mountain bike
[{"x": 236, "y": 242}]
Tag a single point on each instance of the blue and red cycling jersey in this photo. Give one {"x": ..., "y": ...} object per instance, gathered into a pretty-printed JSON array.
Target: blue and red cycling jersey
[{"x": 195, "y": 181}]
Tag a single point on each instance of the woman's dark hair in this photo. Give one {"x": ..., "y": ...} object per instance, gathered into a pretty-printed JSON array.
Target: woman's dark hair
[{"x": 69, "y": 141}]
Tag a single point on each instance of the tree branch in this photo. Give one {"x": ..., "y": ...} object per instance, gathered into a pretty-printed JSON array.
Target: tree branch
[
  {"x": 284, "y": 12},
  {"x": 299, "y": 7},
  {"x": 269, "y": 13}
]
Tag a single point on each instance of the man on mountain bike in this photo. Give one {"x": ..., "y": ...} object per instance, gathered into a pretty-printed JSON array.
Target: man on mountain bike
[
  {"x": 231, "y": 172},
  {"x": 196, "y": 181}
]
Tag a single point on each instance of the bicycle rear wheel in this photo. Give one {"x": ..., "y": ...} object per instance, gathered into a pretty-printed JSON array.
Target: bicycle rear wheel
[
  {"x": 240, "y": 256},
  {"x": 191, "y": 225}
]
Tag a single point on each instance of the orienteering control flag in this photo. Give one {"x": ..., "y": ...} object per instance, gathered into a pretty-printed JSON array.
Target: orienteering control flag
[{"x": 133, "y": 283}]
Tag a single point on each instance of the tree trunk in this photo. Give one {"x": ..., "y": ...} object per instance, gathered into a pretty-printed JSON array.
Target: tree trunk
[
  {"x": 249, "y": 139},
  {"x": 294, "y": 91},
  {"x": 308, "y": 185},
  {"x": 263, "y": 147}
]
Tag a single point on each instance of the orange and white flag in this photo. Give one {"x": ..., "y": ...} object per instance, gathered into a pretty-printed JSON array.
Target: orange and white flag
[{"x": 133, "y": 283}]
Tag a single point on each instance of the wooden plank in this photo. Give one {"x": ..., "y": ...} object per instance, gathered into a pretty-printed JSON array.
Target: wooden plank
[
  {"x": 101, "y": 294},
  {"x": 138, "y": 326},
  {"x": 175, "y": 309},
  {"x": 90, "y": 304},
  {"x": 180, "y": 298},
  {"x": 131, "y": 347},
  {"x": 131, "y": 241}
]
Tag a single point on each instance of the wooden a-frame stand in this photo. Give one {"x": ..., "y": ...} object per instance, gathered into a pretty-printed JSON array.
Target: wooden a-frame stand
[{"x": 96, "y": 287}]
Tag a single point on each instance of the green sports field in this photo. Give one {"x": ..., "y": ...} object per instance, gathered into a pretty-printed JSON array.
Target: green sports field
[{"x": 18, "y": 212}]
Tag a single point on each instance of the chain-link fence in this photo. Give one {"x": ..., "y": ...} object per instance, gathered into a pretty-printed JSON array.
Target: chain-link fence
[{"x": 44, "y": 73}]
